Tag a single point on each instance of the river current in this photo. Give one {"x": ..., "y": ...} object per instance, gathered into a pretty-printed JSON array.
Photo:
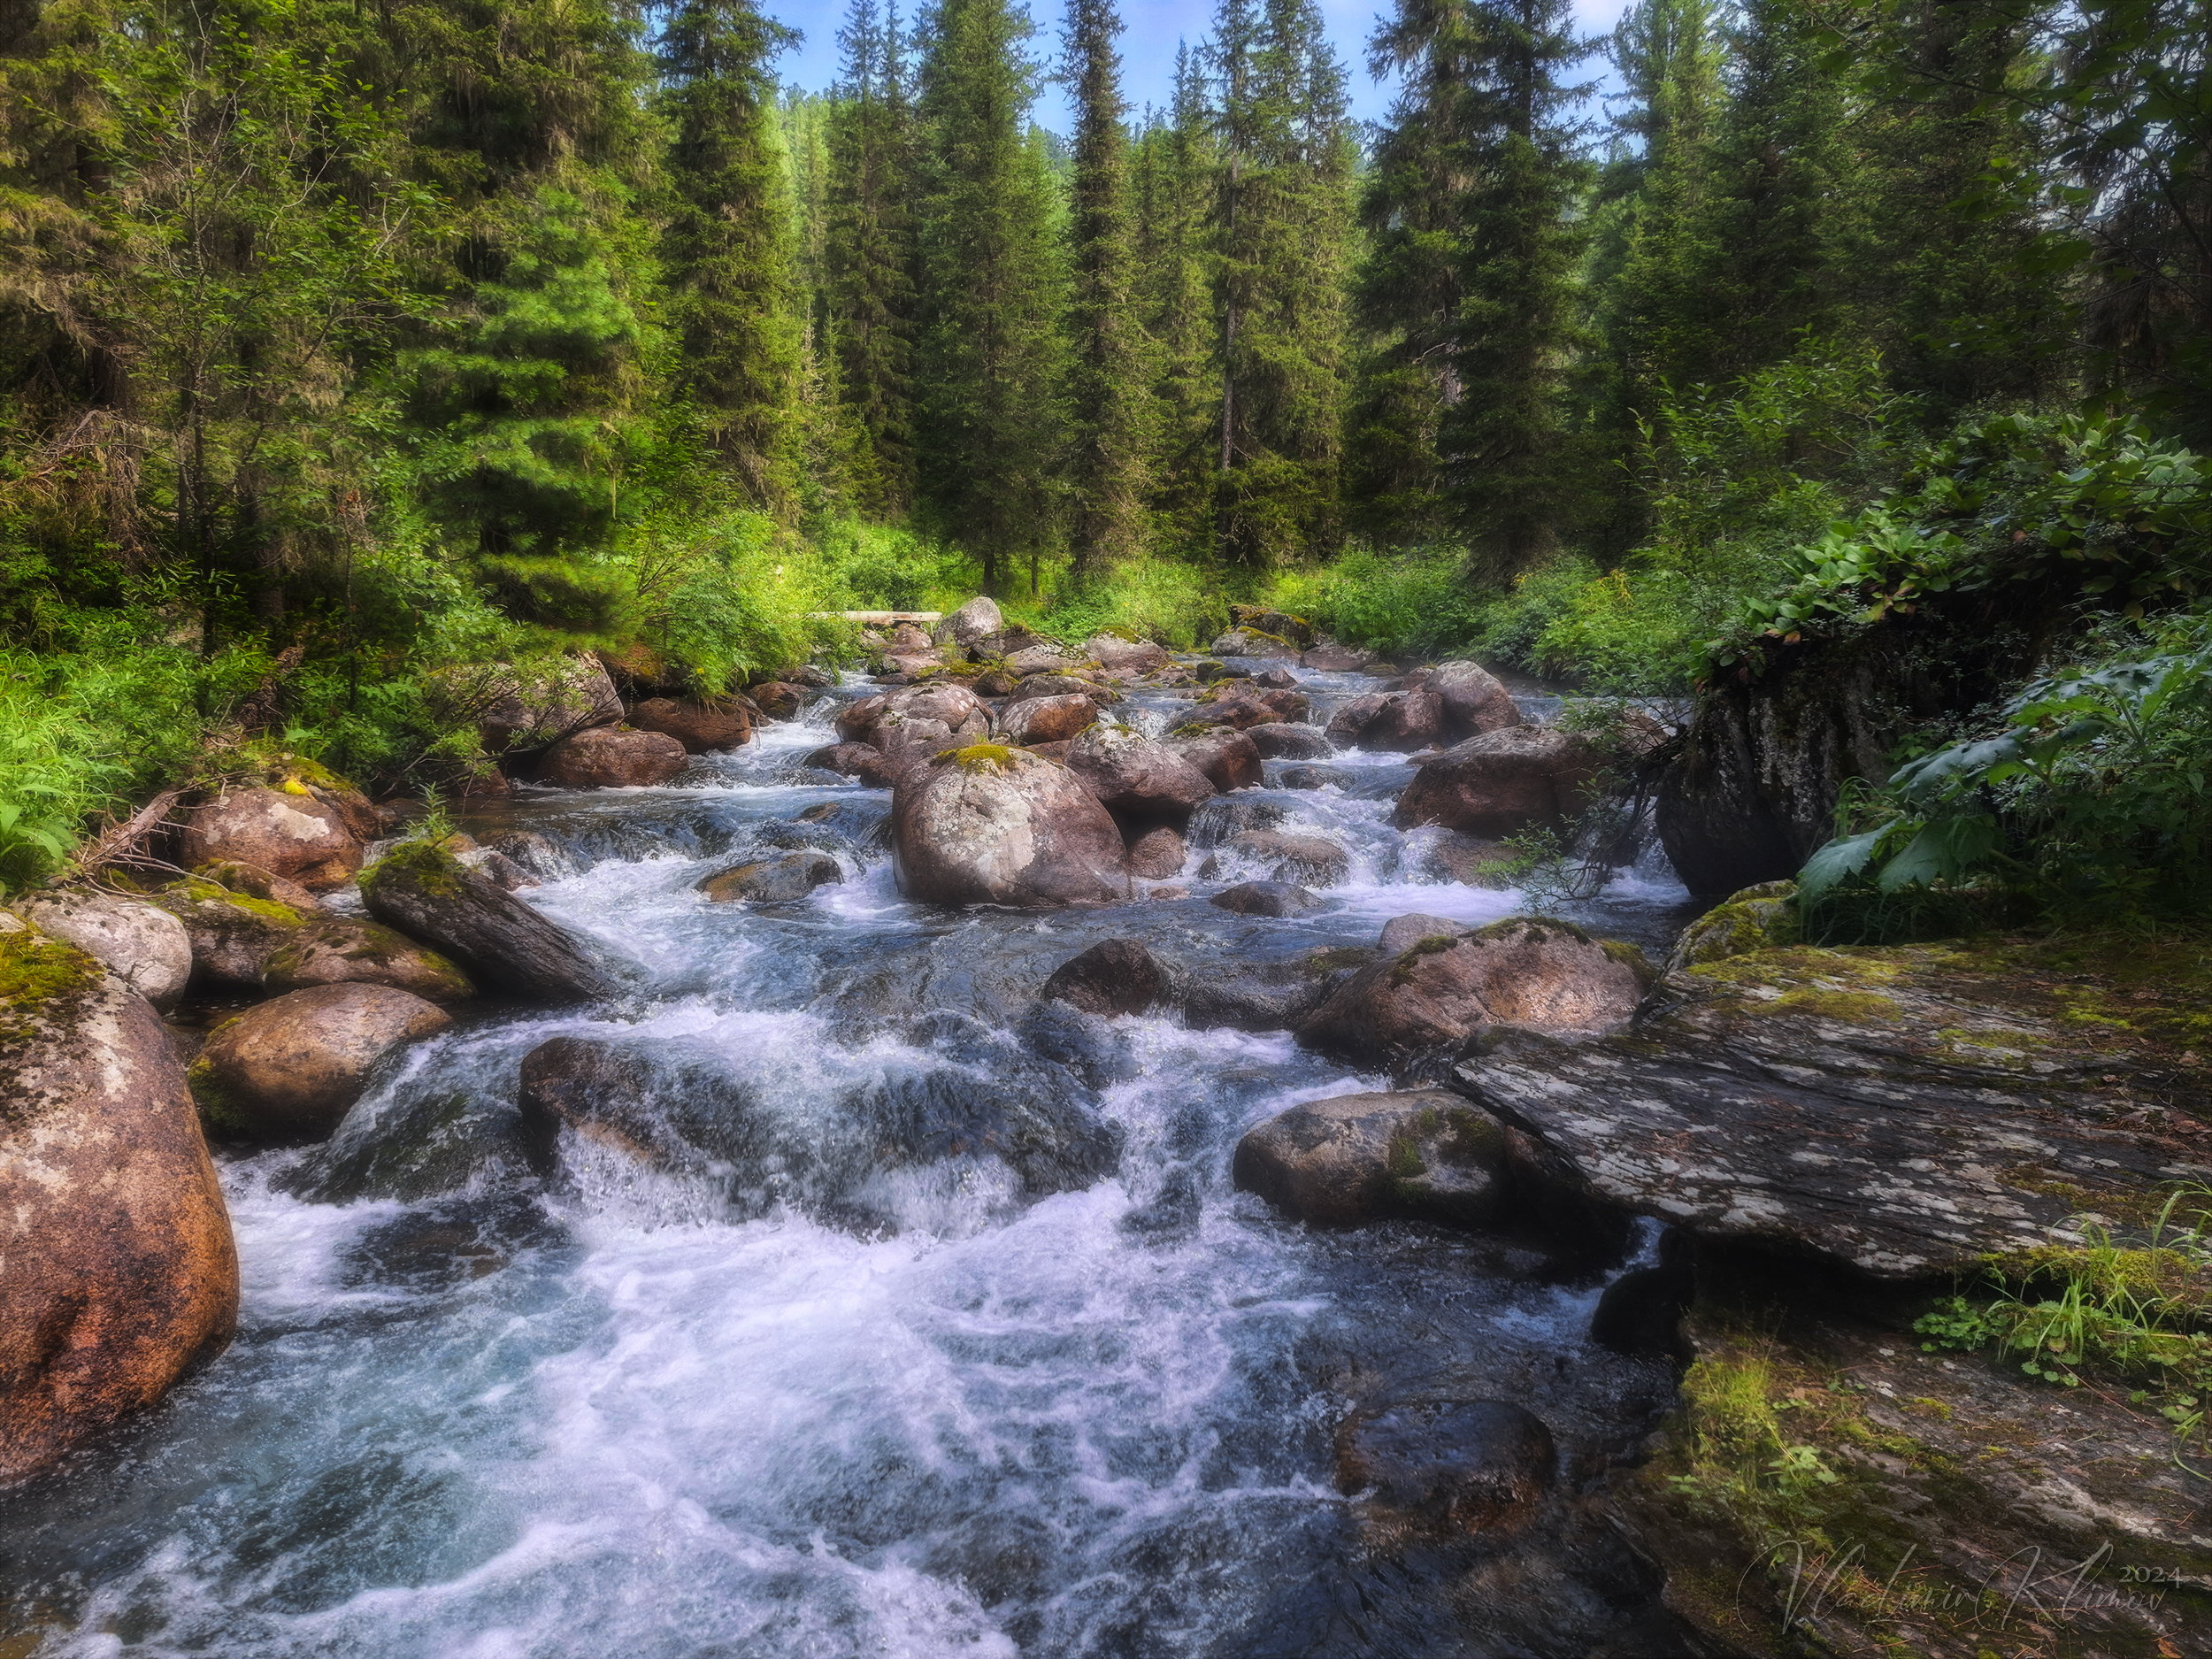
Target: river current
[{"x": 820, "y": 1408}]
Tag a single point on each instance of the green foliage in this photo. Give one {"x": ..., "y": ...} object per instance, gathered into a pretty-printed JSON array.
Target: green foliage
[
  {"x": 2136, "y": 1309},
  {"x": 2092, "y": 792}
]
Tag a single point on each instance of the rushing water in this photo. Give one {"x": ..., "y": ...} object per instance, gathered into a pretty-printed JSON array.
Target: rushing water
[{"x": 832, "y": 1405}]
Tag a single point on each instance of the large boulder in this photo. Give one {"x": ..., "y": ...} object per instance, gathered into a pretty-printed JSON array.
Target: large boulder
[
  {"x": 701, "y": 724},
  {"x": 1278, "y": 899},
  {"x": 1048, "y": 719},
  {"x": 1112, "y": 651},
  {"x": 1529, "y": 972},
  {"x": 1045, "y": 658},
  {"x": 612, "y": 757},
  {"x": 1906, "y": 1111},
  {"x": 1475, "y": 701},
  {"x": 118, "y": 1272},
  {"x": 927, "y": 718},
  {"x": 291, "y": 1068},
  {"x": 773, "y": 881},
  {"x": 990, "y": 825},
  {"x": 233, "y": 935},
  {"x": 350, "y": 950},
  {"x": 781, "y": 699},
  {"x": 528, "y": 708},
  {"x": 1397, "y": 721},
  {"x": 1242, "y": 704},
  {"x": 979, "y": 617},
  {"x": 504, "y": 945},
  {"x": 1227, "y": 759},
  {"x": 1356, "y": 1158},
  {"x": 1504, "y": 783},
  {"x": 293, "y": 835},
  {"x": 144, "y": 947},
  {"x": 1051, "y": 683},
  {"x": 1312, "y": 859},
  {"x": 1115, "y": 976},
  {"x": 1133, "y": 775}
]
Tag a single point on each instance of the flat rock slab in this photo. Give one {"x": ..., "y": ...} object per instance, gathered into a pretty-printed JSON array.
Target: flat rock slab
[{"x": 1903, "y": 1109}]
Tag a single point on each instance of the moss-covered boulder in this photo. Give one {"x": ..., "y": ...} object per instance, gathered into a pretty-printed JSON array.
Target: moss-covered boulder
[
  {"x": 141, "y": 944},
  {"x": 1764, "y": 917},
  {"x": 233, "y": 935},
  {"x": 286, "y": 830},
  {"x": 118, "y": 1272},
  {"x": 504, "y": 945},
  {"x": 350, "y": 950}
]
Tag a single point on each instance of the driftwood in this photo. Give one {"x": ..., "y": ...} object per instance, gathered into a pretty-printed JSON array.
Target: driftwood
[{"x": 119, "y": 843}]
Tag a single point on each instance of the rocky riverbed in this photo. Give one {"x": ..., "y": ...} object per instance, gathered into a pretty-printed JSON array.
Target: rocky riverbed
[{"x": 909, "y": 1175}]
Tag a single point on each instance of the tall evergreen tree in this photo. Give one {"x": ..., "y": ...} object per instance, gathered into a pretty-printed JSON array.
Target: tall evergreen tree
[
  {"x": 990, "y": 289},
  {"x": 1106, "y": 363},
  {"x": 1282, "y": 224},
  {"x": 726, "y": 255},
  {"x": 1174, "y": 170},
  {"x": 1511, "y": 466},
  {"x": 869, "y": 257}
]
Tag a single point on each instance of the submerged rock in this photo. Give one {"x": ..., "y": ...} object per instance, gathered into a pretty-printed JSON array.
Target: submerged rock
[
  {"x": 773, "y": 881},
  {"x": 1443, "y": 1467},
  {"x": 1424, "y": 1154},
  {"x": 990, "y": 825},
  {"x": 291, "y": 1068},
  {"x": 118, "y": 1272},
  {"x": 498, "y": 938},
  {"x": 1115, "y": 976}
]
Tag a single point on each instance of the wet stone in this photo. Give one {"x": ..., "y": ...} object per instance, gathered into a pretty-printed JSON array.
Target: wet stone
[
  {"x": 1446, "y": 1466},
  {"x": 1267, "y": 898}
]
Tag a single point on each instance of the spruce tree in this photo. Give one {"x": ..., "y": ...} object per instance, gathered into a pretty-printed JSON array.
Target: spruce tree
[
  {"x": 1514, "y": 472},
  {"x": 1281, "y": 229},
  {"x": 1175, "y": 166},
  {"x": 990, "y": 295},
  {"x": 869, "y": 284},
  {"x": 725, "y": 254},
  {"x": 1106, "y": 362}
]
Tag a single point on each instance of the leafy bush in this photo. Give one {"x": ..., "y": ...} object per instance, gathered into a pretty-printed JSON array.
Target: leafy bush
[{"x": 2092, "y": 792}]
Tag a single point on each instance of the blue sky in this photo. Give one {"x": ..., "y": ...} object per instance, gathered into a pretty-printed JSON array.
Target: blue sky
[{"x": 1148, "y": 45}]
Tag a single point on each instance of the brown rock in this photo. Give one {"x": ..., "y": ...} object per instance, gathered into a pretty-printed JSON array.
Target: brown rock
[
  {"x": 1266, "y": 898},
  {"x": 773, "y": 881},
  {"x": 1357, "y": 1158},
  {"x": 1048, "y": 719},
  {"x": 1228, "y": 759},
  {"x": 863, "y": 761},
  {"x": 1157, "y": 853},
  {"x": 1056, "y": 684},
  {"x": 1110, "y": 652},
  {"x": 1115, "y": 976},
  {"x": 117, "y": 1269},
  {"x": 1475, "y": 701},
  {"x": 779, "y": 700},
  {"x": 1529, "y": 972},
  {"x": 991, "y": 825},
  {"x": 294, "y": 836},
  {"x": 1130, "y": 775},
  {"x": 291, "y": 1068},
  {"x": 1397, "y": 721},
  {"x": 1284, "y": 741},
  {"x": 1504, "y": 783},
  {"x": 701, "y": 726},
  {"x": 611, "y": 757}
]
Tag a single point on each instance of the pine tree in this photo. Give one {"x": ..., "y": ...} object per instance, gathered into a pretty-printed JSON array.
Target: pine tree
[
  {"x": 1174, "y": 171},
  {"x": 1105, "y": 434},
  {"x": 1511, "y": 466},
  {"x": 1281, "y": 228},
  {"x": 725, "y": 257},
  {"x": 990, "y": 295},
  {"x": 869, "y": 257}
]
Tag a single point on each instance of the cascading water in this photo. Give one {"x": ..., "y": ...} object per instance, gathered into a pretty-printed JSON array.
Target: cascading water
[{"x": 803, "y": 1383}]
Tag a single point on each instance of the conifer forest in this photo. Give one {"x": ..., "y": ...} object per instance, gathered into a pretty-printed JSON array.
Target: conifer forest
[{"x": 1405, "y": 855}]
